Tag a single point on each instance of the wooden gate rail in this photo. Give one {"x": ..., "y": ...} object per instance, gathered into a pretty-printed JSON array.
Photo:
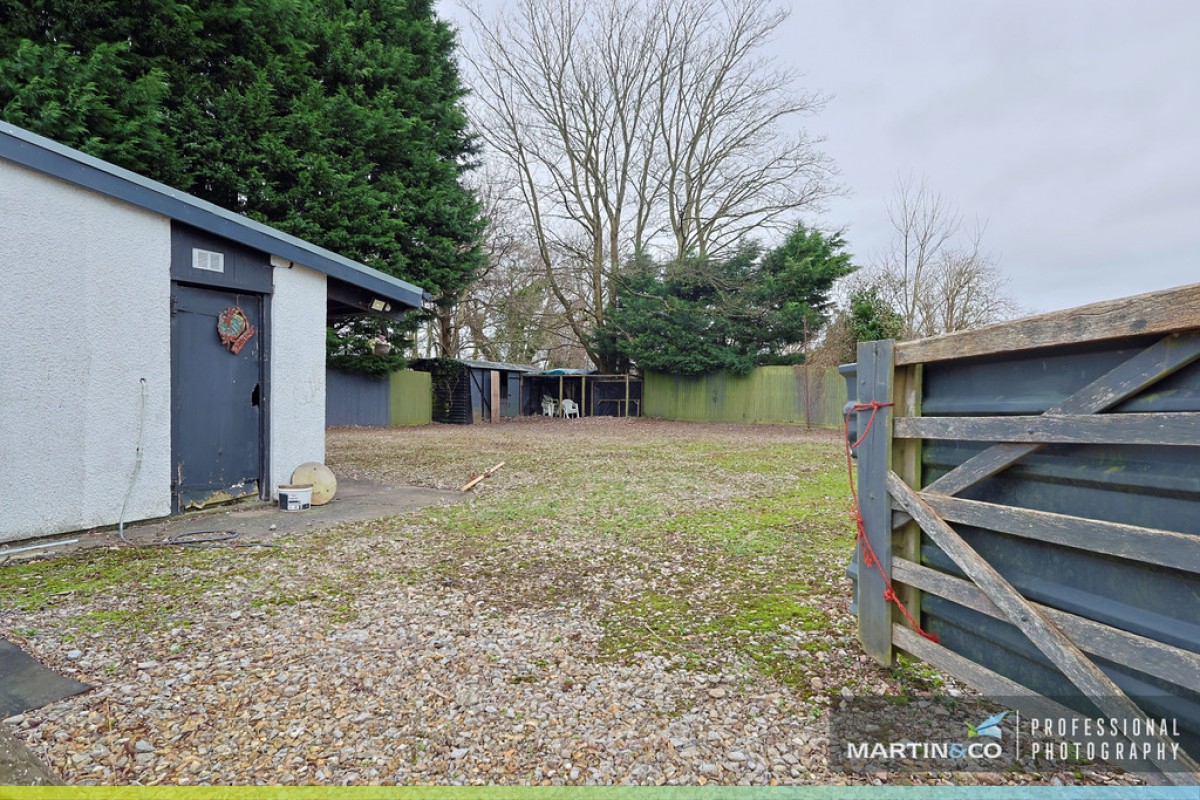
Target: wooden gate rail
[
  {"x": 1149, "y": 545},
  {"x": 896, "y": 509},
  {"x": 1048, "y": 637},
  {"x": 1025, "y": 700},
  {"x": 1161, "y": 429},
  {"x": 1112, "y": 644},
  {"x": 1158, "y": 312},
  {"x": 1162, "y": 359}
]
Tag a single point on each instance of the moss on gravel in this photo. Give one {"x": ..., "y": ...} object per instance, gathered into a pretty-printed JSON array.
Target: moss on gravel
[{"x": 733, "y": 538}]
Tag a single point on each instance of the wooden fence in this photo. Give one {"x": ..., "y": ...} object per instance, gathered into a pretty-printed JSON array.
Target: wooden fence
[
  {"x": 1031, "y": 492},
  {"x": 806, "y": 395},
  {"x": 402, "y": 398}
]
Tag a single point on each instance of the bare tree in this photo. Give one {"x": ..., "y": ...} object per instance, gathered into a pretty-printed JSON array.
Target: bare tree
[
  {"x": 968, "y": 290},
  {"x": 639, "y": 126},
  {"x": 935, "y": 275},
  {"x": 726, "y": 162},
  {"x": 509, "y": 314}
]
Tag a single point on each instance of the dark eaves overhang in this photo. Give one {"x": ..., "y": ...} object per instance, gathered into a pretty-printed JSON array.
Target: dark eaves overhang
[{"x": 51, "y": 158}]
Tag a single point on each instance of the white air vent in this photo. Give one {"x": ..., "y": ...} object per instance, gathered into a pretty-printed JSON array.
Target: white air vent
[{"x": 208, "y": 261}]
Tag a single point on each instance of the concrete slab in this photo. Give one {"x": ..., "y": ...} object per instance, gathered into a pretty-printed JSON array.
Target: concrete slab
[
  {"x": 356, "y": 501},
  {"x": 19, "y": 767}
]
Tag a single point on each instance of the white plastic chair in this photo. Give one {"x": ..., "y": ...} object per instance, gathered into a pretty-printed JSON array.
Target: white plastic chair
[
  {"x": 570, "y": 409},
  {"x": 549, "y": 407}
]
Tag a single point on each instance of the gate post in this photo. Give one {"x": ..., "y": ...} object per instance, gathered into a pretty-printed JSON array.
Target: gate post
[{"x": 874, "y": 461}]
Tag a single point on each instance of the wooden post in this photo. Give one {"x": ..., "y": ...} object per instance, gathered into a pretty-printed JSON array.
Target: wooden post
[
  {"x": 627, "y": 394},
  {"x": 874, "y": 463},
  {"x": 495, "y": 398},
  {"x": 560, "y": 397},
  {"x": 906, "y": 462},
  {"x": 583, "y": 396}
]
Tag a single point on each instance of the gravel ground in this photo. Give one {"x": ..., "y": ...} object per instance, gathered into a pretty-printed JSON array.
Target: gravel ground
[{"x": 536, "y": 635}]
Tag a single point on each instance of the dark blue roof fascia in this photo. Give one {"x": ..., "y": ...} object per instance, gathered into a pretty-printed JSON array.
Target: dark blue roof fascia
[{"x": 44, "y": 155}]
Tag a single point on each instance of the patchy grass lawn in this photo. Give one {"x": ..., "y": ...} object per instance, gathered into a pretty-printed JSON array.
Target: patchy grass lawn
[
  {"x": 716, "y": 544},
  {"x": 676, "y": 586}
]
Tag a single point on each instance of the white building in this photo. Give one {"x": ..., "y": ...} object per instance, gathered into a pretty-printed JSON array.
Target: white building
[{"x": 156, "y": 352}]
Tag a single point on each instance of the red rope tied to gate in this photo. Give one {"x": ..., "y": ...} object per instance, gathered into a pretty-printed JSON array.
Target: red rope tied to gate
[{"x": 868, "y": 553}]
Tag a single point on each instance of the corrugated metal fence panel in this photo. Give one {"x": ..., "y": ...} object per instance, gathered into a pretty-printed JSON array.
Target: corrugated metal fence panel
[
  {"x": 411, "y": 398},
  {"x": 355, "y": 399},
  {"x": 1157, "y": 487},
  {"x": 765, "y": 394}
]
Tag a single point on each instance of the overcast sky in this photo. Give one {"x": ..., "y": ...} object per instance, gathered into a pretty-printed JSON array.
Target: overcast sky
[{"x": 1072, "y": 128}]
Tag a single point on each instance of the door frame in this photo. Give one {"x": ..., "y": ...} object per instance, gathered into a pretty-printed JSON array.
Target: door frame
[{"x": 264, "y": 382}]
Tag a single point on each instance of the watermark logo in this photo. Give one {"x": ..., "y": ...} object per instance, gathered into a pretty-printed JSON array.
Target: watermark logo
[
  {"x": 989, "y": 727},
  {"x": 927, "y": 734},
  {"x": 943, "y": 751}
]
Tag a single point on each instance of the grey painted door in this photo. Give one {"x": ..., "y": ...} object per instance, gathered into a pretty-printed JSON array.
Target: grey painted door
[{"x": 216, "y": 399}]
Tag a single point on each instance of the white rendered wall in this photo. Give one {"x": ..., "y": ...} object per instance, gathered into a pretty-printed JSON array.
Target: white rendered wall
[
  {"x": 297, "y": 389},
  {"x": 84, "y": 316}
]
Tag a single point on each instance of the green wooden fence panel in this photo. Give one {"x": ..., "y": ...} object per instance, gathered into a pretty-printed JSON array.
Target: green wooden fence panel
[
  {"x": 411, "y": 397},
  {"x": 764, "y": 395}
]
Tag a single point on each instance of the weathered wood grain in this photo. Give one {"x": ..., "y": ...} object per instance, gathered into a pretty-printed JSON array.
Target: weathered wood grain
[
  {"x": 494, "y": 396},
  {"x": 1047, "y": 636},
  {"x": 996, "y": 458},
  {"x": 1181, "y": 428},
  {"x": 874, "y": 462},
  {"x": 1024, "y": 700},
  {"x": 1172, "y": 664},
  {"x": 1161, "y": 359},
  {"x": 1157, "y": 312},
  {"x": 1149, "y": 545},
  {"x": 906, "y": 462}
]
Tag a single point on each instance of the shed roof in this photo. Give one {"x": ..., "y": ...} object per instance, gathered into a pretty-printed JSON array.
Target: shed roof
[
  {"x": 51, "y": 158},
  {"x": 553, "y": 373},
  {"x": 497, "y": 365}
]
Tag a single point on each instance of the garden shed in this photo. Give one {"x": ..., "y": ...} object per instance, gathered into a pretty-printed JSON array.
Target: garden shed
[
  {"x": 467, "y": 391},
  {"x": 159, "y": 353}
]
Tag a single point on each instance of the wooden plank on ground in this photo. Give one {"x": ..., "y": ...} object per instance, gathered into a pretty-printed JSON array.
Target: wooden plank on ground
[
  {"x": 1172, "y": 664},
  {"x": 1148, "y": 545},
  {"x": 1047, "y": 636},
  {"x": 1029, "y": 703},
  {"x": 874, "y": 463},
  {"x": 486, "y": 474},
  {"x": 1163, "y": 358},
  {"x": 1182, "y": 428},
  {"x": 1158, "y": 312}
]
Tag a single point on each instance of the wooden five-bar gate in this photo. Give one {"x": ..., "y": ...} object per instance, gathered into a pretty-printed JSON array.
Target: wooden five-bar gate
[{"x": 1031, "y": 492}]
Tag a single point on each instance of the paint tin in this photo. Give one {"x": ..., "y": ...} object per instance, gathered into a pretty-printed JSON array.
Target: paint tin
[{"x": 295, "y": 496}]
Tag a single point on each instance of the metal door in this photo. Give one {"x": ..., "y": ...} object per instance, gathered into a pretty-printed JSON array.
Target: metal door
[{"x": 216, "y": 396}]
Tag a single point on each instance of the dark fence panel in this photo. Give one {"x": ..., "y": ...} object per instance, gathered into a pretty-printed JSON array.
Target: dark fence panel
[{"x": 355, "y": 399}]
